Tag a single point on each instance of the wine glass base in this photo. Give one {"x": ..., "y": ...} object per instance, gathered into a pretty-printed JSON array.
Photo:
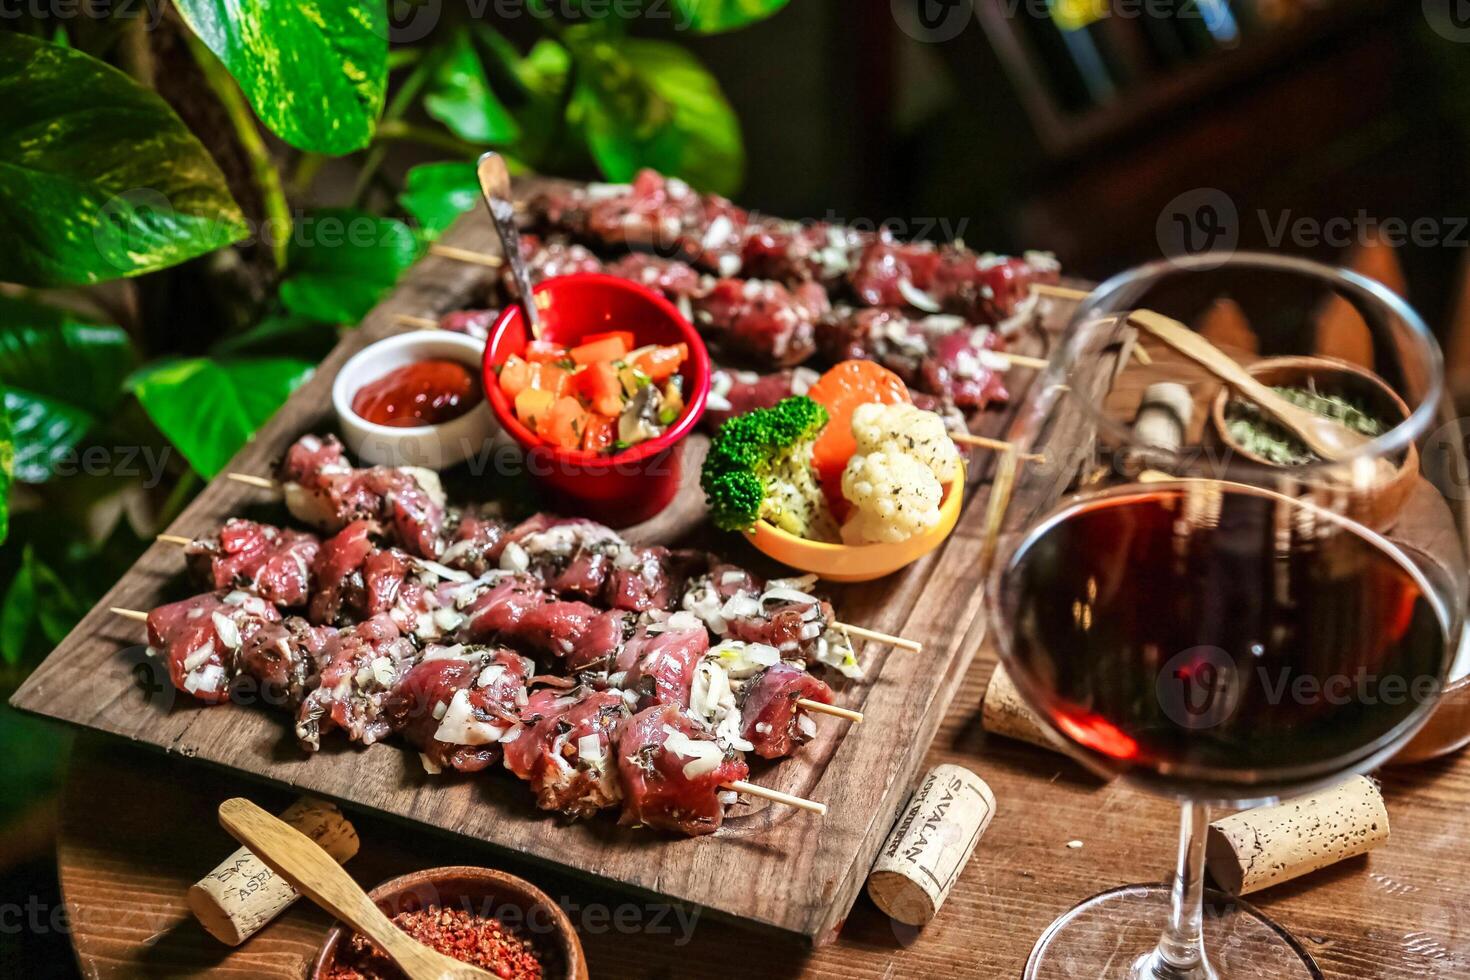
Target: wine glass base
[{"x": 1112, "y": 937}]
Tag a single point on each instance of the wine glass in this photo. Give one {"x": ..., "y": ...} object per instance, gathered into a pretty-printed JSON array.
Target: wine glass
[{"x": 1194, "y": 601}]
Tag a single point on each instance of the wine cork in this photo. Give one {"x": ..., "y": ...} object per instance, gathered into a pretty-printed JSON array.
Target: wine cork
[
  {"x": 1258, "y": 848},
  {"x": 1004, "y": 712},
  {"x": 1163, "y": 415},
  {"x": 241, "y": 895},
  {"x": 935, "y": 836}
]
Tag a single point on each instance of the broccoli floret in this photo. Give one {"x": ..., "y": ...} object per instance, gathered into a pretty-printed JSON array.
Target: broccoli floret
[{"x": 747, "y": 474}]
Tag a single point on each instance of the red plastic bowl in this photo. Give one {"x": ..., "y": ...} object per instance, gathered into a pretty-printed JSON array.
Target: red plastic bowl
[{"x": 632, "y": 485}]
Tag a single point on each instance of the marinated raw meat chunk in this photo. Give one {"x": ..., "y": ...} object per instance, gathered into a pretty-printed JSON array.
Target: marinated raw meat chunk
[
  {"x": 457, "y": 702},
  {"x": 474, "y": 541},
  {"x": 962, "y": 367},
  {"x": 643, "y": 579},
  {"x": 673, "y": 772},
  {"x": 657, "y": 664},
  {"x": 565, "y": 750},
  {"x": 267, "y": 561},
  {"x": 890, "y": 273},
  {"x": 361, "y": 666},
  {"x": 598, "y": 647},
  {"x": 771, "y": 720},
  {"x": 789, "y": 251},
  {"x": 284, "y": 660},
  {"x": 762, "y": 319},
  {"x": 657, "y": 213},
  {"x": 551, "y": 258},
  {"x": 474, "y": 323},
  {"x": 338, "y": 586},
  {"x": 734, "y": 604},
  {"x": 735, "y": 393},
  {"x": 324, "y": 490},
  {"x": 571, "y": 556},
  {"x": 494, "y": 612},
  {"x": 677, "y": 280},
  {"x": 991, "y": 289},
  {"x": 200, "y": 638}
]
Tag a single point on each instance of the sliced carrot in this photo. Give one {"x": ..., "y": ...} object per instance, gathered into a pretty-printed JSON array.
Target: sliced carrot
[
  {"x": 661, "y": 362},
  {"x": 598, "y": 384},
  {"x": 600, "y": 434},
  {"x": 515, "y": 376},
  {"x": 605, "y": 349},
  {"x": 626, "y": 336},
  {"x": 841, "y": 390},
  {"x": 545, "y": 350},
  {"x": 564, "y": 424},
  {"x": 532, "y": 405}
]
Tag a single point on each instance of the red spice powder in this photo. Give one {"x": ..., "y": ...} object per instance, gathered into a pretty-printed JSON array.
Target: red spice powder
[{"x": 484, "y": 942}]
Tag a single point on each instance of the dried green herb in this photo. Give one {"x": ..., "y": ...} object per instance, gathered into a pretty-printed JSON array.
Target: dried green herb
[{"x": 1255, "y": 432}]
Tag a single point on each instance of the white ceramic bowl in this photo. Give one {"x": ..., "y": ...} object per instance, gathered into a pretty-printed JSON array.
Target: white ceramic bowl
[{"x": 434, "y": 446}]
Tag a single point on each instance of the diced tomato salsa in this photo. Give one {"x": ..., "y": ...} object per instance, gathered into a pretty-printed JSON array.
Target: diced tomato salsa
[{"x": 591, "y": 397}]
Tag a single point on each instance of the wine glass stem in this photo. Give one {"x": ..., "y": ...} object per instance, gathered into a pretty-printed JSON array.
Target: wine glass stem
[{"x": 1180, "y": 954}]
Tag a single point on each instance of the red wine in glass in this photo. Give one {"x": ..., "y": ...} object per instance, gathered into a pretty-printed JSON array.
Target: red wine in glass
[{"x": 1219, "y": 642}]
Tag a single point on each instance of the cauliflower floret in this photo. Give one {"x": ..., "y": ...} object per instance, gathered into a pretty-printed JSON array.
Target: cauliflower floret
[
  {"x": 909, "y": 430},
  {"x": 894, "y": 497}
]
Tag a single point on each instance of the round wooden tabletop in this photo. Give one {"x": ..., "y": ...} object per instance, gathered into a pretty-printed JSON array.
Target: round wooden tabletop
[{"x": 137, "y": 828}]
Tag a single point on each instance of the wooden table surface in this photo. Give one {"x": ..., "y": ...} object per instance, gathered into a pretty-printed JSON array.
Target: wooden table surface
[{"x": 138, "y": 828}]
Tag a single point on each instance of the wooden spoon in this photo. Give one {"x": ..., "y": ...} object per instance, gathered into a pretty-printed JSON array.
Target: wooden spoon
[
  {"x": 1325, "y": 437},
  {"x": 495, "y": 188},
  {"x": 313, "y": 872}
]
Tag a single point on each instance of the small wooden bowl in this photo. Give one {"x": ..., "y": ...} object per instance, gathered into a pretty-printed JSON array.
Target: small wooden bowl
[
  {"x": 860, "y": 562},
  {"x": 483, "y": 892},
  {"x": 1377, "y": 507}
]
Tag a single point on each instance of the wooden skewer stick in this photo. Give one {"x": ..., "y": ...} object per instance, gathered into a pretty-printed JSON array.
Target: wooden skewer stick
[
  {"x": 466, "y": 255},
  {"x": 817, "y": 707},
  {"x": 1060, "y": 292},
  {"x": 254, "y": 481},
  {"x": 177, "y": 539},
  {"x": 866, "y": 634},
  {"x": 140, "y": 616},
  {"x": 776, "y": 796},
  {"x": 985, "y": 442},
  {"x": 417, "y": 322},
  {"x": 1022, "y": 360}
]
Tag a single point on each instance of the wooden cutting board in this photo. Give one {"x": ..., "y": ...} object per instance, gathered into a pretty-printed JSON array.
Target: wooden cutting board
[{"x": 775, "y": 867}]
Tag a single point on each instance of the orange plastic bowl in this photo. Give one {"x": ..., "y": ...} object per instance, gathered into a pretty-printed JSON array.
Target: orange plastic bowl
[{"x": 860, "y": 562}]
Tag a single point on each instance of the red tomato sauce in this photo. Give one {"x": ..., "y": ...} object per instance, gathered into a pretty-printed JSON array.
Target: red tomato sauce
[{"x": 423, "y": 393}]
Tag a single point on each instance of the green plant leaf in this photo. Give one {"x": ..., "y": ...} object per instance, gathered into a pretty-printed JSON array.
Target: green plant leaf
[
  {"x": 283, "y": 334},
  {"x": 7, "y": 458},
  {"x": 435, "y": 194},
  {"x": 37, "y": 612},
  {"x": 341, "y": 261},
  {"x": 652, "y": 104},
  {"x": 98, "y": 177},
  {"x": 714, "y": 16},
  {"x": 544, "y": 68},
  {"x": 460, "y": 97},
  {"x": 314, "y": 71},
  {"x": 209, "y": 408},
  {"x": 60, "y": 377}
]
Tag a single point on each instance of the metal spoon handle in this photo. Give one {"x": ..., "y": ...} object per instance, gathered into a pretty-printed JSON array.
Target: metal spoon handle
[{"x": 495, "y": 186}]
